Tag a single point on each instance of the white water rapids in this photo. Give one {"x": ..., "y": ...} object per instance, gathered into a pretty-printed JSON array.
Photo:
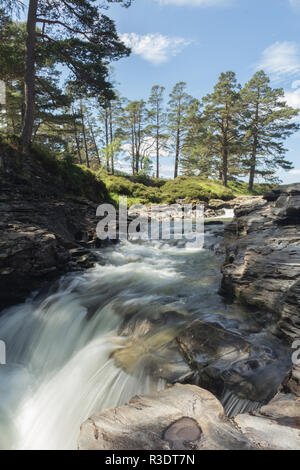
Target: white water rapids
[{"x": 60, "y": 369}]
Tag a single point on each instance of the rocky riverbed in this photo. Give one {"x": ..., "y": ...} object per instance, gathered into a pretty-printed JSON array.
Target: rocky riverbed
[
  {"x": 186, "y": 417},
  {"x": 261, "y": 271},
  {"x": 147, "y": 317}
]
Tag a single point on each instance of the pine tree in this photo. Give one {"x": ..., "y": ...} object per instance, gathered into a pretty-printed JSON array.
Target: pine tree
[
  {"x": 79, "y": 36},
  {"x": 50, "y": 101},
  {"x": 199, "y": 150},
  {"x": 157, "y": 122},
  {"x": 178, "y": 107},
  {"x": 221, "y": 117},
  {"x": 268, "y": 121},
  {"x": 136, "y": 133}
]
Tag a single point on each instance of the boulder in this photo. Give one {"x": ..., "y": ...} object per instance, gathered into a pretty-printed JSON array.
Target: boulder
[
  {"x": 238, "y": 371},
  {"x": 276, "y": 426},
  {"x": 183, "y": 417}
]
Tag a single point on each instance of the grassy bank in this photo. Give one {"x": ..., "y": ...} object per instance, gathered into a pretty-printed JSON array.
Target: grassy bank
[
  {"x": 169, "y": 191},
  {"x": 48, "y": 171},
  {"x": 62, "y": 174}
]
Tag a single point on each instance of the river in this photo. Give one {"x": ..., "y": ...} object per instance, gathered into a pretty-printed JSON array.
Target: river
[{"x": 78, "y": 347}]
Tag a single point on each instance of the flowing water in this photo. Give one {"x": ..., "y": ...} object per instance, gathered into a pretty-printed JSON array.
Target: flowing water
[{"x": 79, "y": 347}]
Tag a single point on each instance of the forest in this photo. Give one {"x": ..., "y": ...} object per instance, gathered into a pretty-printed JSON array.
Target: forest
[{"x": 60, "y": 94}]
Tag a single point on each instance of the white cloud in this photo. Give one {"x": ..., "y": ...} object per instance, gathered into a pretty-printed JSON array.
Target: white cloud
[
  {"x": 293, "y": 98},
  {"x": 296, "y": 84},
  {"x": 296, "y": 171},
  {"x": 196, "y": 3},
  {"x": 281, "y": 60},
  {"x": 155, "y": 48}
]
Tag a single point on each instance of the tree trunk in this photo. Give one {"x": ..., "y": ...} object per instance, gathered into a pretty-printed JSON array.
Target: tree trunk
[
  {"x": 77, "y": 140},
  {"x": 84, "y": 137},
  {"x": 225, "y": 167},
  {"x": 177, "y": 154},
  {"x": 95, "y": 143},
  {"x": 106, "y": 139},
  {"x": 254, "y": 149},
  {"x": 157, "y": 142},
  {"x": 132, "y": 151},
  {"x": 252, "y": 173},
  {"x": 112, "y": 157},
  {"x": 29, "y": 75}
]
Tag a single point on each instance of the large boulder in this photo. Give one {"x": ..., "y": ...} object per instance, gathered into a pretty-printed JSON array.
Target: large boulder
[
  {"x": 183, "y": 417},
  {"x": 240, "y": 372}
]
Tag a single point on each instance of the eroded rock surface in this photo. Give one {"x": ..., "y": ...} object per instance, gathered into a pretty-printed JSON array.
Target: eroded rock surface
[
  {"x": 262, "y": 266},
  {"x": 44, "y": 231},
  {"x": 276, "y": 426},
  {"x": 183, "y": 417},
  {"x": 242, "y": 373}
]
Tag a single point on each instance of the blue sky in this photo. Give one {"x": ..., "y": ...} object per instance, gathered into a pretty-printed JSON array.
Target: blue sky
[{"x": 196, "y": 40}]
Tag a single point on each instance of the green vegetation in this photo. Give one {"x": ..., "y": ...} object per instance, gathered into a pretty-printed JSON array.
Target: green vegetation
[
  {"x": 59, "y": 93},
  {"x": 169, "y": 191},
  {"x": 61, "y": 175}
]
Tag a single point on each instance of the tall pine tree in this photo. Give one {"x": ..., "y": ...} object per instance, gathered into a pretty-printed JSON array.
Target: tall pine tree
[
  {"x": 178, "y": 108},
  {"x": 221, "y": 118},
  {"x": 79, "y": 36},
  {"x": 268, "y": 121},
  {"x": 157, "y": 119}
]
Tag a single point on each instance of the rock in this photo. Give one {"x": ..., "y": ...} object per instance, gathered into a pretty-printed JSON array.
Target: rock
[
  {"x": 293, "y": 381},
  {"x": 183, "y": 417},
  {"x": 217, "y": 204},
  {"x": 262, "y": 267},
  {"x": 276, "y": 426},
  {"x": 244, "y": 375},
  {"x": 39, "y": 225}
]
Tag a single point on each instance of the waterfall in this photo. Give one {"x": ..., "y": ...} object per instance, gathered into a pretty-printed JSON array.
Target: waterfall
[
  {"x": 60, "y": 368},
  {"x": 94, "y": 339}
]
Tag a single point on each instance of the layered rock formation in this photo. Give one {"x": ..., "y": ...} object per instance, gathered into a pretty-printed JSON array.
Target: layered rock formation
[
  {"x": 45, "y": 230},
  {"x": 262, "y": 267}
]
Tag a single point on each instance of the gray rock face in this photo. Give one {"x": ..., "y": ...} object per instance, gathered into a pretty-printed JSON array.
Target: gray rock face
[
  {"x": 262, "y": 266},
  {"x": 183, "y": 417},
  {"x": 43, "y": 232}
]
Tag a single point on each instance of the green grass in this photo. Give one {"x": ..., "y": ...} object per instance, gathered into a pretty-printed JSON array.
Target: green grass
[
  {"x": 241, "y": 188},
  {"x": 191, "y": 189}
]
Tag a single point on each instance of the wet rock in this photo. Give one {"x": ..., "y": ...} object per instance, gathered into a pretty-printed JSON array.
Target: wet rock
[
  {"x": 276, "y": 426},
  {"x": 244, "y": 375},
  {"x": 183, "y": 417},
  {"x": 262, "y": 267},
  {"x": 217, "y": 204},
  {"x": 40, "y": 225}
]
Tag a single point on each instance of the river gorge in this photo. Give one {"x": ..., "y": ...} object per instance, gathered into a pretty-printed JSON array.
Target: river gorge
[{"x": 94, "y": 339}]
